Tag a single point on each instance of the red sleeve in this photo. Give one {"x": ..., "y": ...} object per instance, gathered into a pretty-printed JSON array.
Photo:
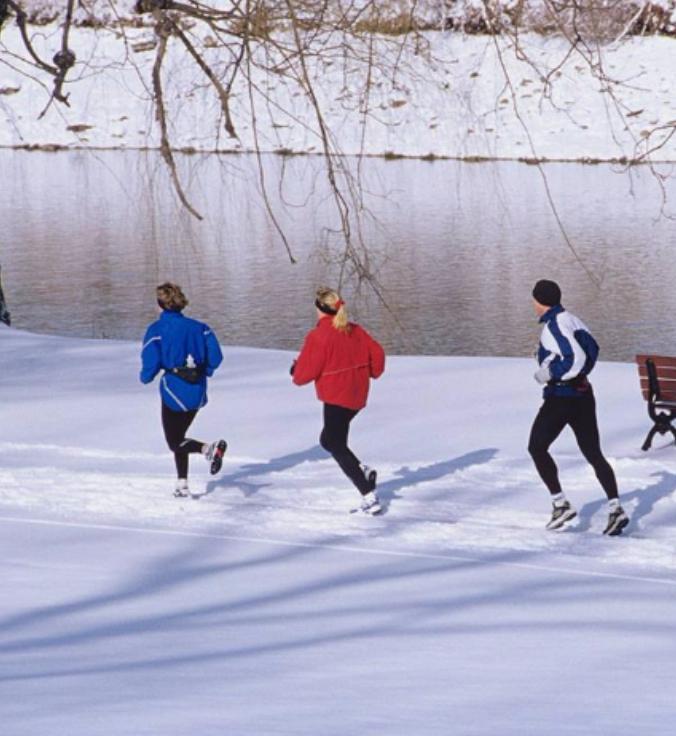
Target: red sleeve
[
  {"x": 376, "y": 358},
  {"x": 310, "y": 362}
]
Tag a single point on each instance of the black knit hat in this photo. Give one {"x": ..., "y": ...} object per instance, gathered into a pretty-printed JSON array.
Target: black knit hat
[{"x": 547, "y": 293}]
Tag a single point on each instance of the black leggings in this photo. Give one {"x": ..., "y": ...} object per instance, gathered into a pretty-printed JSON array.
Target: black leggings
[
  {"x": 580, "y": 414},
  {"x": 175, "y": 425},
  {"x": 334, "y": 440}
]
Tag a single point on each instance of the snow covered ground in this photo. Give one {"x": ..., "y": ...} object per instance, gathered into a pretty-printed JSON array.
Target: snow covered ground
[
  {"x": 449, "y": 98},
  {"x": 265, "y": 607}
]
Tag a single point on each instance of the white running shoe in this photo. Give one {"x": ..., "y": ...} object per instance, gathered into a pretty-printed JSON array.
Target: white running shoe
[
  {"x": 181, "y": 490},
  {"x": 560, "y": 515},
  {"x": 214, "y": 455},
  {"x": 370, "y": 504},
  {"x": 617, "y": 520}
]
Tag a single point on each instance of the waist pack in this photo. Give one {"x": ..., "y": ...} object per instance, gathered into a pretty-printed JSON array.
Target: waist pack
[
  {"x": 190, "y": 375},
  {"x": 579, "y": 383}
]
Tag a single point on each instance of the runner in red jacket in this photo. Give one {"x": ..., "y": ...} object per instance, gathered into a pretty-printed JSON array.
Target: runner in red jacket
[{"x": 341, "y": 358}]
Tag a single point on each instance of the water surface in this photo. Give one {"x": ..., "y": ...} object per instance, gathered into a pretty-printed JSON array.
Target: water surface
[{"x": 455, "y": 246}]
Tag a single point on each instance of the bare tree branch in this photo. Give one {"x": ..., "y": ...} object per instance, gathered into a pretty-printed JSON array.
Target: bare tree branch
[{"x": 163, "y": 31}]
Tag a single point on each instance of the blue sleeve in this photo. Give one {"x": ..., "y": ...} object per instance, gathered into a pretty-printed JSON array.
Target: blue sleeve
[
  {"x": 591, "y": 350},
  {"x": 151, "y": 356},
  {"x": 214, "y": 354}
]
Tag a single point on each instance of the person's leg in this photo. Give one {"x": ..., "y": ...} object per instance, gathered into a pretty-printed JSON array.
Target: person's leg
[
  {"x": 548, "y": 425},
  {"x": 334, "y": 440},
  {"x": 584, "y": 424},
  {"x": 175, "y": 425}
]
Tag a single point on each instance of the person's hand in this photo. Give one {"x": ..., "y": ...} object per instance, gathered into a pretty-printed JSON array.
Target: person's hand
[
  {"x": 293, "y": 368},
  {"x": 542, "y": 375}
]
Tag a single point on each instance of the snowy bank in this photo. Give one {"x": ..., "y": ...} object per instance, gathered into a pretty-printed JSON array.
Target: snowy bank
[{"x": 448, "y": 99}]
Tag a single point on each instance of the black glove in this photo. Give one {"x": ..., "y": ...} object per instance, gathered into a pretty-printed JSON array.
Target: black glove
[{"x": 293, "y": 368}]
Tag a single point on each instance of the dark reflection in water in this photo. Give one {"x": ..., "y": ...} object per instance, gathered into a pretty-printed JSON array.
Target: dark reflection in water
[{"x": 86, "y": 236}]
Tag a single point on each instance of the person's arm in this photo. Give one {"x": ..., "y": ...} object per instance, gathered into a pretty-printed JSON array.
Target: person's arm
[
  {"x": 214, "y": 352},
  {"x": 310, "y": 363},
  {"x": 376, "y": 358},
  {"x": 151, "y": 356}
]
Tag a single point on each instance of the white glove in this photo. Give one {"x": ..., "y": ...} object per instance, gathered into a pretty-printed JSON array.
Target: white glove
[{"x": 542, "y": 375}]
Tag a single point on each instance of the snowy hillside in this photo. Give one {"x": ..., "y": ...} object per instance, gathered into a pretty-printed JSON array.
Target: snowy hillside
[
  {"x": 265, "y": 607},
  {"x": 449, "y": 97}
]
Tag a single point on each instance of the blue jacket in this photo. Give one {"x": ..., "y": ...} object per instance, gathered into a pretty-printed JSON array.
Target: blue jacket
[
  {"x": 567, "y": 347},
  {"x": 168, "y": 343}
]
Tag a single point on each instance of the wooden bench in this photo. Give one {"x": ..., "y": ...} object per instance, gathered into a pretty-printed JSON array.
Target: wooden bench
[{"x": 658, "y": 385}]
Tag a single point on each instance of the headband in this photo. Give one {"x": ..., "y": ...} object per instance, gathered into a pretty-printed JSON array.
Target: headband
[{"x": 327, "y": 309}]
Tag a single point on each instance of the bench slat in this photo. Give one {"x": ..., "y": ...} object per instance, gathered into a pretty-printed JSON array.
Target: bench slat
[
  {"x": 665, "y": 383},
  {"x": 660, "y": 361},
  {"x": 666, "y": 369}
]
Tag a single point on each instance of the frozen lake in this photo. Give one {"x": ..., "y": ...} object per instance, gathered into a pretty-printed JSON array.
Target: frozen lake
[{"x": 455, "y": 247}]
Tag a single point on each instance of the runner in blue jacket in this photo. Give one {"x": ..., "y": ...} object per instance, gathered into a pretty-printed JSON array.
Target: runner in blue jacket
[{"x": 187, "y": 352}]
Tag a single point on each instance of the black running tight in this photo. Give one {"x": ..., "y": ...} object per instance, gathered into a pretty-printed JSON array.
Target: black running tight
[
  {"x": 175, "y": 425},
  {"x": 580, "y": 414},
  {"x": 334, "y": 440}
]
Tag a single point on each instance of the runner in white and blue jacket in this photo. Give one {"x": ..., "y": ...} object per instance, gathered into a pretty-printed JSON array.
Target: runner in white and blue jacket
[
  {"x": 566, "y": 355},
  {"x": 187, "y": 353}
]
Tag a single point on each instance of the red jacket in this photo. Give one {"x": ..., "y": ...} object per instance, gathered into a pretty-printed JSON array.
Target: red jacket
[{"x": 340, "y": 363}]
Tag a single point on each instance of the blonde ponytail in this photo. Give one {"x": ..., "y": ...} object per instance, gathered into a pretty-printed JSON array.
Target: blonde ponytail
[
  {"x": 333, "y": 305},
  {"x": 341, "y": 321}
]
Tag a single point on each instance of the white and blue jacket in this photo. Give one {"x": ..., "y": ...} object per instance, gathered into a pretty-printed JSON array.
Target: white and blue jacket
[
  {"x": 167, "y": 344},
  {"x": 568, "y": 349}
]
